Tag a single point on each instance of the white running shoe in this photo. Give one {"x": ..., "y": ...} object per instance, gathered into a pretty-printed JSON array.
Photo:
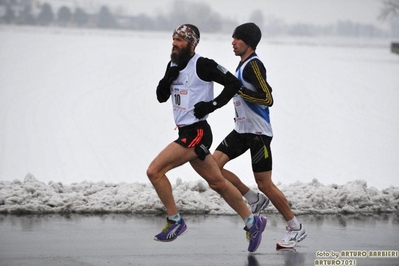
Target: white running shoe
[
  {"x": 292, "y": 237},
  {"x": 260, "y": 204}
]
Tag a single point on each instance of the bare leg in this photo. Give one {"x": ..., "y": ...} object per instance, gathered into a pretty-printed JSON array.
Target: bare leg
[
  {"x": 221, "y": 159},
  {"x": 172, "y": 156},
  {"x": 210, "y": 171},
  {"x": 266, "y": 185}
]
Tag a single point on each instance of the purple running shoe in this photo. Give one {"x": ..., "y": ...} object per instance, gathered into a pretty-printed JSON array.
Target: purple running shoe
[
  {"x": 254, "y": 235},
  {"x": 171, "y": 230}
]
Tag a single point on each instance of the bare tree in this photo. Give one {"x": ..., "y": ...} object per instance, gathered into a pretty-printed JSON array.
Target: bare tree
[
  {"x": 106, "y": 19},
  {"x": 390, "y": 9},
  {"x": 46, "y": 15},
  {"x": 64, "y": 15},
  {"x": 80, "y": 17}
]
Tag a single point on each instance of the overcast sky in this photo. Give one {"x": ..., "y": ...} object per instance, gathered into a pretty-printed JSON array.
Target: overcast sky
[{"x": 321, "y": 12}]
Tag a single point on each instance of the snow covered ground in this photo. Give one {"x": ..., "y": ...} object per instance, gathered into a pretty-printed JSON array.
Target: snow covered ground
[
  {"x": 79, "y": 119},
  {"x": 193, "y": 197}
]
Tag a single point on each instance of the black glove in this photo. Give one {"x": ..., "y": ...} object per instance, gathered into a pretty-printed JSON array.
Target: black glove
[
  {"x": 171, "y": 74},
  {"x": 163, "y": 89},
  {"x": 201, "y": 109},
  {"x": 163, "y": 93}
]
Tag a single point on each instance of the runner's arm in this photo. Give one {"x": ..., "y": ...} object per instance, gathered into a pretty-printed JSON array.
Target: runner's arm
[
  {"x": 255, "y": 73},
  {"x": 209, "y": 70}
]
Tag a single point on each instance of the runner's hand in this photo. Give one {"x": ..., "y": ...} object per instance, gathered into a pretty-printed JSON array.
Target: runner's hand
[
  {"x": 171, "y": 74},
  {"x": 201, "y": 109}
]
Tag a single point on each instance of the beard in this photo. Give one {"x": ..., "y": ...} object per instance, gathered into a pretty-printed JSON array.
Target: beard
[{"x": 181, "y": 56}]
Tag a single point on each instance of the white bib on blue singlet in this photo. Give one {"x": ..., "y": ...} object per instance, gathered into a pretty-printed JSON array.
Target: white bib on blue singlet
[{"x": 251, "y": 117}]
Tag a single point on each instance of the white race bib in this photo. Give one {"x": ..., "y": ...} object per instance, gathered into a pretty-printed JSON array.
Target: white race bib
[
  {"x": 238, "y": 106},
  {"x": 180, "y": 97}
]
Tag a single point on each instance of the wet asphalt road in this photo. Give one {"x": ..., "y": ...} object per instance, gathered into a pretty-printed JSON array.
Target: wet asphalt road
[{"x": 125, "y": 239}]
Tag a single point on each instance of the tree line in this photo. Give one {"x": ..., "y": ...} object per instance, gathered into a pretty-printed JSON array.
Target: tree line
[
  {"x": 18, "y": 13},
  {"x": 22, "y": 13}
]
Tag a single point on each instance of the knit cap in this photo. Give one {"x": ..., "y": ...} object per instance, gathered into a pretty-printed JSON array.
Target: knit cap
[{"x": 249, "y": 33}]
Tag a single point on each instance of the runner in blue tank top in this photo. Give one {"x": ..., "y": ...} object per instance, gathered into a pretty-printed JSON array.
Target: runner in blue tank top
[{"x": 253, "y": 131}]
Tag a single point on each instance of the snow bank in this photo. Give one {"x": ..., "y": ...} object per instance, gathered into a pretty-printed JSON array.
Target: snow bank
[{"x": 194, "y": 197}]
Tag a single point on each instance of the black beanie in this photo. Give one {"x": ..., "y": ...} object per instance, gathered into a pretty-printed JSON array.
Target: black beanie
[{"x": 249, "y": 33}]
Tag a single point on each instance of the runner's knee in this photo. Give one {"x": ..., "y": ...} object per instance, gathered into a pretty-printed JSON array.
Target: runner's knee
[
  {"x": 153, "y": 173},
  {"x": 265, "y": 185},
  {"x": 218, "y": 186}
]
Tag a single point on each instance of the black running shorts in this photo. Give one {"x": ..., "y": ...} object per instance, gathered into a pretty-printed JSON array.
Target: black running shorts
[
  {"x": 236, "y": 144},
  {"x": 198, "y": 136}
]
